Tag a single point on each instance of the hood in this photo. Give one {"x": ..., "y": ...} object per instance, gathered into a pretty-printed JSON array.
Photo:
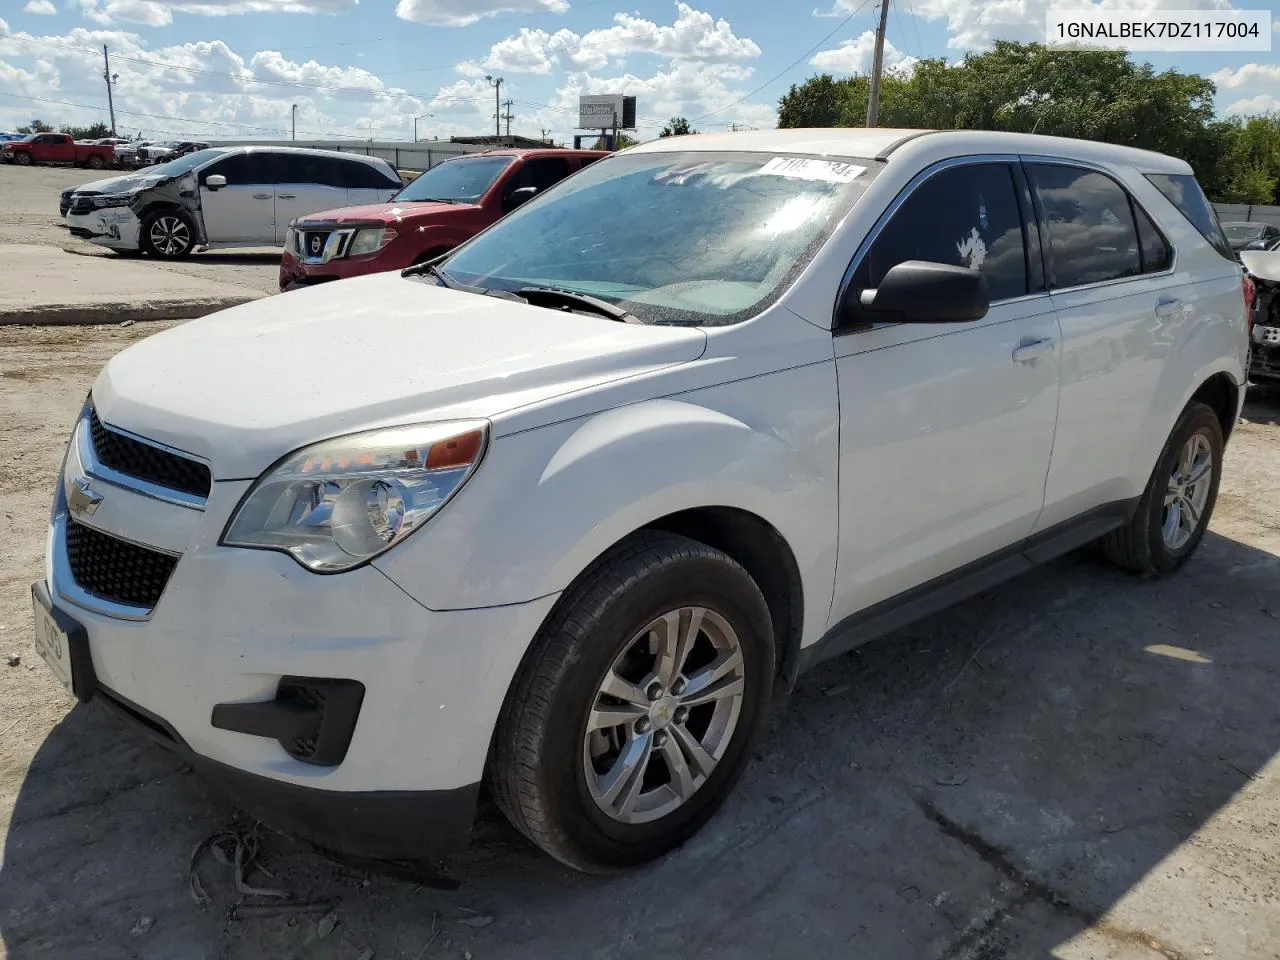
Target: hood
[
  {"x": 384, "y": 212},
  {"x": 1262, "y": 264},
  {"x": 126, "y": 184},
  {"x": 244, "y": 387}
]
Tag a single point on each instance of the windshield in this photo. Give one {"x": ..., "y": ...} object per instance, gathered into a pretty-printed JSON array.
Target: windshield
[
  {"x": 1242, "y": 231},
  {"x": 464, "y": 180},
  {"x": 181, "y": 165},
  {"x": 681, "y": 238}
]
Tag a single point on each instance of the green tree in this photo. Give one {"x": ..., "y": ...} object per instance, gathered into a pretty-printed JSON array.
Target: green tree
[
  {"x": 818, "y": 102},
  {"x": 623, "y": 142},
  {"x": 677, "y": 127},
  {"x": 94, "y": 131},
  {"x": 36, "y": 126}
]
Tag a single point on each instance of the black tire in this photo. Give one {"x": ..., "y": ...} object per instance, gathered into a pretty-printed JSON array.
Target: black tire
[
  {"x": 22, "y": 159},
  {"x": 536, "y": 769},
  {"x": 160, "y": 224},
  {"x": 1140, "y": 545},
  {"x": 95, "y": 162}
]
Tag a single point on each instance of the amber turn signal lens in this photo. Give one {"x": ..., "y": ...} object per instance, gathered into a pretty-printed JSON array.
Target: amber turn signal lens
[{"x": 459, "y": 451}]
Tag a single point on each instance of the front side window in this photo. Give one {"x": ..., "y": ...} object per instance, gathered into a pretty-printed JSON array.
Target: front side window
[
  {"x": 693, "y": 238},
  {"x": 1092, "y": 234},
  {"x": 540, "y": 172},
  {"x": 464, "y": 180},
  {"x": 964, "y": 216}
]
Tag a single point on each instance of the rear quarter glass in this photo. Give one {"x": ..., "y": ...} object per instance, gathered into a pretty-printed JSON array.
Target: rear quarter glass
[{"x": 1183, "y": 191}]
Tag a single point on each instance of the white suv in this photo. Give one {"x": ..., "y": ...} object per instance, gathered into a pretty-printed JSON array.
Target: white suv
[{"x": 709, "y": 412}]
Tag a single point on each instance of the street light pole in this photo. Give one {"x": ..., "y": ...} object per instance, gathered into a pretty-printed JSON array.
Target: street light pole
[
  {"x": 496, "y": 83},
  {"x": 293, "y": 121},
  {"x": 415, "y": 124}
]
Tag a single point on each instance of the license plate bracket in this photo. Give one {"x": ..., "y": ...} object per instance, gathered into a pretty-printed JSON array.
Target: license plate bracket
[{"x": 63, "y": 642}]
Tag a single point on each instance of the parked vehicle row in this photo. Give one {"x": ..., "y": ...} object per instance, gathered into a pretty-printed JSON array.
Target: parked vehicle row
[
  {"x": 57, "y": 148},
  {"x": 222, "y": 196},
  {"x": 562, "y": 511},
  {"x": 1246, "y": 235}
]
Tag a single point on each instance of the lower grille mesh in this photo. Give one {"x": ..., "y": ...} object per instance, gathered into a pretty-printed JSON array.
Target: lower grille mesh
[{"x": 116, "y": 570}]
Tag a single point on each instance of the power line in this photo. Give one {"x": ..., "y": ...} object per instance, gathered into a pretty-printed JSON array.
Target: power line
[
  {"x": 915, "y": 28},
  {"x": 788, "y": 68}
]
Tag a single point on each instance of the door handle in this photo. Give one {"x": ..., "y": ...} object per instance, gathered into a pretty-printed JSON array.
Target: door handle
[
  {"x": 1166, "y": 306},
  {"x": 262, "y": 196},
  {"x": 286, "y": 196},
  {"x": 1030, "y": 351}
]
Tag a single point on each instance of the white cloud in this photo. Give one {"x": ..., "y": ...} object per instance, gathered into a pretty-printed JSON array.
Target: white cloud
[
  {"x": 974, "y": 26},
  {"x": 158, "y": 14},
  {"x": 1247, "y": 75},
  {"x": 858, "y": 55},
  {"x": 1262, "y": 103},
  {"x": 695, "y": 35},
  {"x": 45, "y": 7},
  {"x": 460, "y": 13}
]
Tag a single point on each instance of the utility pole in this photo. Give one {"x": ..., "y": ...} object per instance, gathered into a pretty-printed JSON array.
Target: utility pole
[
  {"x": 496, "y": 83},
  {"x": 508, "y": 116},
  {"x": 293, "y": 117},
  {"x": 108, "y": 76},
  {"x": 545, "y": 133},
  {"x": 877, "y": 68},
  {"x": 615, "y": 130}
]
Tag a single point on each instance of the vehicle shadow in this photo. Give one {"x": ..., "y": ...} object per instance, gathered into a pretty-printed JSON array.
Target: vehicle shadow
[
  {"x": 1262, "y": 405},
  {"x": 987, "y": 783}
]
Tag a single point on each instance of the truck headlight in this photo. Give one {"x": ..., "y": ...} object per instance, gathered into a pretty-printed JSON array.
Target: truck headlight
[
  {"x": 370, "y": 240},
  {"x": 338, "y": 504}
]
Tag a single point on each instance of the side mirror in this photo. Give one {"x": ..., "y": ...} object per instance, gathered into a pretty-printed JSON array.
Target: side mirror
[
  {"x": 919, "y": 291},
  {"x": 215, "y": 181},
  {"x": 520, "y": 196}
]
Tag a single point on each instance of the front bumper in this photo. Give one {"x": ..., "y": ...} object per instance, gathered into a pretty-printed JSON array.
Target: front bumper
[
  {"x": 114, "y": 227},
  {"x": 231, "y": 625},
  {"x": 295, "y": 273}
]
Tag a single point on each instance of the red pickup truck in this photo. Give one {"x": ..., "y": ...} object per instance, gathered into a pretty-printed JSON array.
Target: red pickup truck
[{"x": 58, "y": 148}]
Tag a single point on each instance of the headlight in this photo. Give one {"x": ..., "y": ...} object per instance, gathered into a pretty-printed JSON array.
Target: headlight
[
  {"x": 337, "y": 504},
  {"x": 291, "y": 240},
  {"x": 370, "y": 240},
  {"x": 119, "y": 200}
]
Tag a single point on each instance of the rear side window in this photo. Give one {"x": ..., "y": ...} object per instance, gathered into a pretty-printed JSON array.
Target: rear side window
[
  {"x": 1092, "y": 234},
  {"x": 964, "y": 216},
  {"x": 305, "y": 168},
  {"x": 1183, "y": 191},
  {"x": 540, "y": 172},
  {"x": 365, "y": 176}
]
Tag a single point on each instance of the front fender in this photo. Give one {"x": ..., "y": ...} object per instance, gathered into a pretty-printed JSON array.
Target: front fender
[{"x": 549, "y": 501}]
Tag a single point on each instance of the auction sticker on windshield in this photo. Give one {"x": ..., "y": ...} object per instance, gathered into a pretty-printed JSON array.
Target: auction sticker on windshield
[{"x": 801, "y": 168}]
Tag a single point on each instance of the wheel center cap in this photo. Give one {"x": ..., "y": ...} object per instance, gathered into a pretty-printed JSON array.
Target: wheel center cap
[{"x": 662, "y": 712}]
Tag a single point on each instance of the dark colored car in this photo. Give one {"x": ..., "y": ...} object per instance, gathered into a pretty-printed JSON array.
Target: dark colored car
[
  {"x": 446, "y": 206},
  {"x": 1246, "y": 235}
]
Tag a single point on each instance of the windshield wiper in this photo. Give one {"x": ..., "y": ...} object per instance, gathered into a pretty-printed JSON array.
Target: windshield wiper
[
  {"x": 428, "y": 200},
  {"x": 431, "y": 267},
  {"x": 570, "y": 299}
]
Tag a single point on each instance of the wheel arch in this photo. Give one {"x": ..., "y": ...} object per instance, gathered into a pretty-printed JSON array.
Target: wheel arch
[{"x": 161, "y": 205}]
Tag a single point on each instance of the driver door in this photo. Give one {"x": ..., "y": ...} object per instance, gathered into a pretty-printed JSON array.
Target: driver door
[
  {"x": 243, "y": 211},
  {"x": 946, "y": 428}
]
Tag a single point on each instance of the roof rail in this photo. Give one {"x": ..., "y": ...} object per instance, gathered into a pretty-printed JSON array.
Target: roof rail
[{"x": 884, "y": 154}]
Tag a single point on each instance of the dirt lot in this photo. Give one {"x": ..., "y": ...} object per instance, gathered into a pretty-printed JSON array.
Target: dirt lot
[
  {"x": 1080, "y": 765},
  {"x": 29, "y": 214}
]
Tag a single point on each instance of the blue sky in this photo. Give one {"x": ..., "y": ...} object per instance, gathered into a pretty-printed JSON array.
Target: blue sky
[{"x": 233, "y": 68}]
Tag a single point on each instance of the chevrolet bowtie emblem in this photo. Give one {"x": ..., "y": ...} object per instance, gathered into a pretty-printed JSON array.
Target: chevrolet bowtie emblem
[{"x": 82, "y": 501}]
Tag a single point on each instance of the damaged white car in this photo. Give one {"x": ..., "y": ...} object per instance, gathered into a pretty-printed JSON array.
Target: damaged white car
[
  {"x": 223, "y": 197},
  {"x": 1263, "y": 268}
]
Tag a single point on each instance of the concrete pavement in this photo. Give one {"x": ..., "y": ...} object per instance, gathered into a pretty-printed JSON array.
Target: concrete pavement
[{"x": 46, "y": 285}]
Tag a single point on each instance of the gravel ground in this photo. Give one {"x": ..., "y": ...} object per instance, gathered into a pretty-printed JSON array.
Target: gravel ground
[
  {"x": 29, "y": 214},
  {"x": 1080, "y": 765}
]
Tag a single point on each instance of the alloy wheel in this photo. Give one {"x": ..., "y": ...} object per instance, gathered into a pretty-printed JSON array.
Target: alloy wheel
[
  {"x": 169, "y": 236},
  {"x": 1187, "y": 492},
  {"x": 664, "y": 715}
]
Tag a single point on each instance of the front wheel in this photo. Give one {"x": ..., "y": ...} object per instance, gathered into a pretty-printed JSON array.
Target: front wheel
[
  {"x": 168, "y": 235},
  {"x": 632, "y": 715},
  {"x": 22, "y": 159},
  {"x": 1174, "y": 510}
]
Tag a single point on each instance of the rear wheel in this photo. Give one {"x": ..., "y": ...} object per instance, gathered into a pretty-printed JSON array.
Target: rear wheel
[
  {"x": 1174, "y": 510},
  {"x": 97, "y": 163},
  {"x": 632, "y": 716},
  {"x": 168, "y": 234}
]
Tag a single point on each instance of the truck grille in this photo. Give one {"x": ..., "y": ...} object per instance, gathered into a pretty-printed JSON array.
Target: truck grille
[
  {"x": 142, "y": 460},
  {"x": 116, "y": 570}
]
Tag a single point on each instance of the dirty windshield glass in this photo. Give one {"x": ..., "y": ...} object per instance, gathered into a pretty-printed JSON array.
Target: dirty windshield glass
[
  {"x": 681, "y": 238},
  {"x": 464, "y": 180}
]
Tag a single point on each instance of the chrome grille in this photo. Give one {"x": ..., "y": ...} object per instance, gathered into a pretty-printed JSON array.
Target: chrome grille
[
  {"x": 116, "y": 570},
  {"x": 146, "y": 462}
]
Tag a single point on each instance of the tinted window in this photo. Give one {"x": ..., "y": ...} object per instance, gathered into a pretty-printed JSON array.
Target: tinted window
[
  {"x": 1184, "y": 192},
  {"x": 540, "y": 172},
  {"x": 1157, "y": 255},
  {"x": 964, "y": 216},
  {"x": 358, "y": 175},
  {"x": 1092, "y": 237},
  {"x": 306, "y": 168},
  {"x": 238, "y": 168}
]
